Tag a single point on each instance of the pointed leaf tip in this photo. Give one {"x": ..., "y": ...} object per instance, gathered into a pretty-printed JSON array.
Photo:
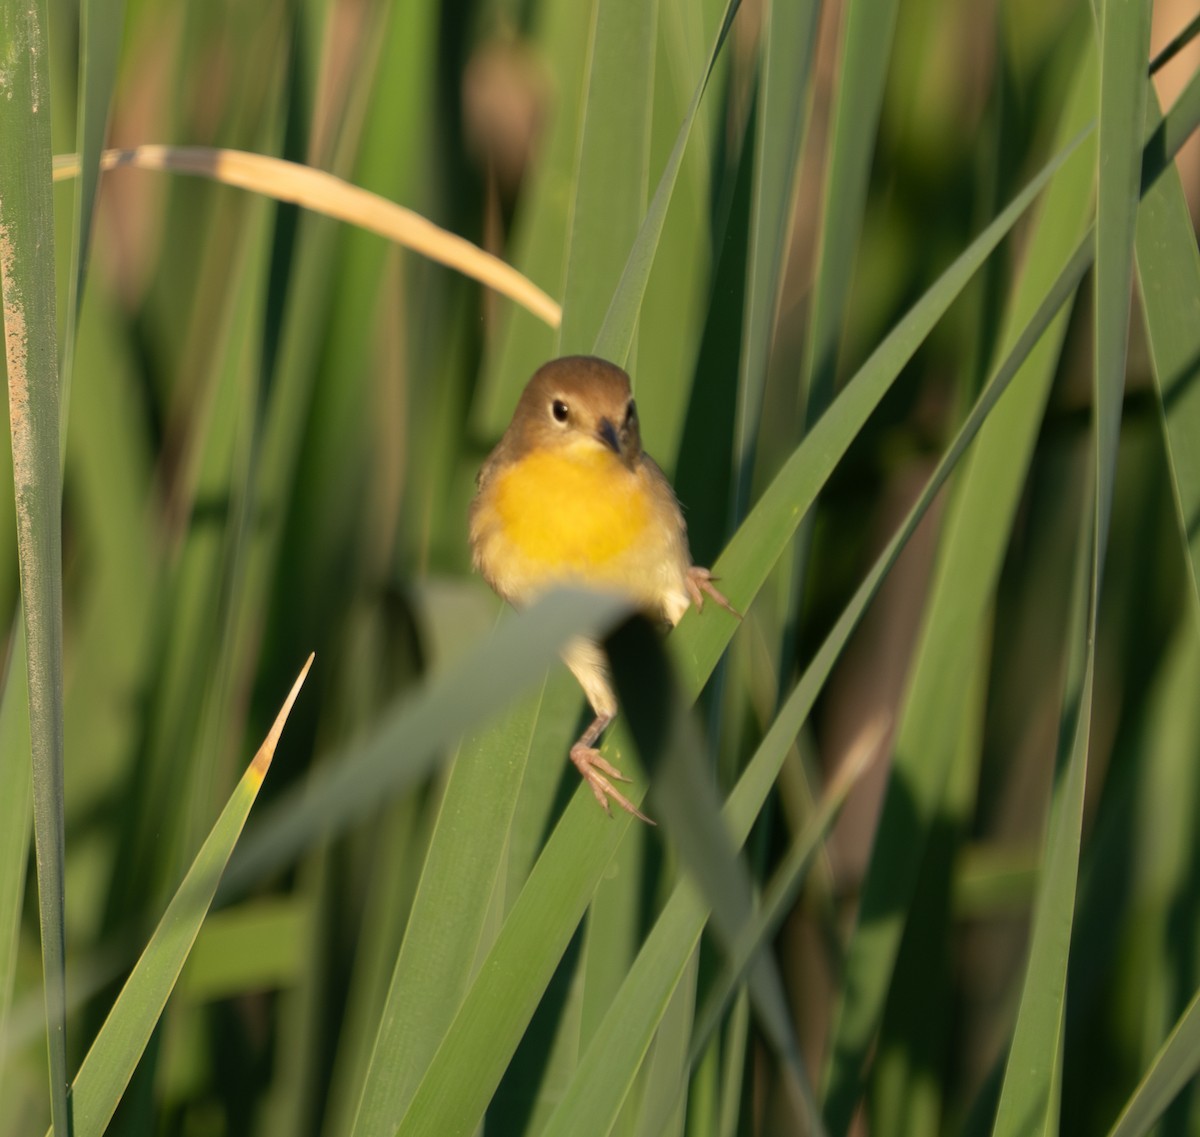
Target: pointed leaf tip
[{"x": 262, "y": 760}]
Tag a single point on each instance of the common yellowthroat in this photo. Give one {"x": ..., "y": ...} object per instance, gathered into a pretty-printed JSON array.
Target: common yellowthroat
[{"x": 569, "y": 496}]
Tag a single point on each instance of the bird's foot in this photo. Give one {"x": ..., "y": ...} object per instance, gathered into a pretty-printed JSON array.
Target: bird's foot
[
  {"x": 593, "y": 766},
  {"x": 700, "y": 583}
]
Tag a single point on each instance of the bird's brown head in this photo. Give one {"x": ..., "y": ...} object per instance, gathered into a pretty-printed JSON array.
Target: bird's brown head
[{"x": 573, "y": 401}]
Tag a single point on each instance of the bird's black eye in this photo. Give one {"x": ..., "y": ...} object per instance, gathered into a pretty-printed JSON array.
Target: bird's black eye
[
  {"x": 559, "y": 410},
  {"x": 631, "y": 413}
]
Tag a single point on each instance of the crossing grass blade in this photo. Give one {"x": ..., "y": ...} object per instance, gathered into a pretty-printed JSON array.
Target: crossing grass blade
[
  {"x": 117, "y": 1048},
  {"x": 1173, "y": 1067},
  {"x": 100, "y": 26},
  {"x": 1031, "y": 1094},
  {"x": 868, "y": 39},
  {"x": 974, "y": 539},
  {"x": 784, "y": 104},
  {"x": 31, "y": 347},
  {"x": 1168, "y": 268}
]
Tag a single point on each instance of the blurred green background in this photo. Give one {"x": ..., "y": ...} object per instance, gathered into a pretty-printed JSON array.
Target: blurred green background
[{"x": 272, "y": 431}]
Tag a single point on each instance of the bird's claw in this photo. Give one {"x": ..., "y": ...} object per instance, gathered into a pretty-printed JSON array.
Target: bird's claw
[
  {"x": 593, "y": 766},
  {"x": 700, "y": 583}
]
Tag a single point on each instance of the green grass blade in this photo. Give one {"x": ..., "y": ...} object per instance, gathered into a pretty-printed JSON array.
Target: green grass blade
[
  {"x": 1168, "y": 267},
  {"x": 31, "y": 343},
  {"x": 1158, "y": 794},
  {"x": 784, "y": 98},
  {"x": 610, "y": 182},
  {"x": 1173, "y": 1067},
  {"x": 663, "y": 1108},
  {"x": 675, "y": 305},
  {"x": 615, "y": 338},
  {"x": 778, "y": 899},
  {"x": 446, "y": 927},
  {"x": 100, "y": 26},
  {"x": 114, "y": 1054},
  {"x": 868, "y": 38},
  {"x": 1170, "y": 135},
  {"x": 513, "y": 976},
  {"x": 975, "y": 537},
  {"x": 1032, "y": 1082},
  {"x": 15, "y": 817},
  {"x": 1124, "y": 48}
]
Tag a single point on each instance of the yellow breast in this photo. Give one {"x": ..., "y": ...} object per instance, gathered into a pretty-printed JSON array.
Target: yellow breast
[
  {"x": 574, "y": 511},
  {"x": 578, "y": 515}
]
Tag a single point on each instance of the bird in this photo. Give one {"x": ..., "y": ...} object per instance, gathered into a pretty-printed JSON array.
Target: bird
[{"x": 569, "y": 497}]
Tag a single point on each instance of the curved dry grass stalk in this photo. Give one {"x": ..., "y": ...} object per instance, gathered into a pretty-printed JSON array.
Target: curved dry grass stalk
[{"x": 329, "y": 195}]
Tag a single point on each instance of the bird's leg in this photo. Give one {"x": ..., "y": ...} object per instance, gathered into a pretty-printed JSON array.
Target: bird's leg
[
  {"x": 594, "y": 766},
  {"x": 700, "y": 582}
]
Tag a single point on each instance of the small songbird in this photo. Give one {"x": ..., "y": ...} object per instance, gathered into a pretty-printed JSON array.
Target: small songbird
[{"x": 568, "y": 497}]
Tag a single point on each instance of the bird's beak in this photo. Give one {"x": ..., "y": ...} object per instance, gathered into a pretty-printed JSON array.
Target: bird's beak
[{"x": 607, "y": 433}]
